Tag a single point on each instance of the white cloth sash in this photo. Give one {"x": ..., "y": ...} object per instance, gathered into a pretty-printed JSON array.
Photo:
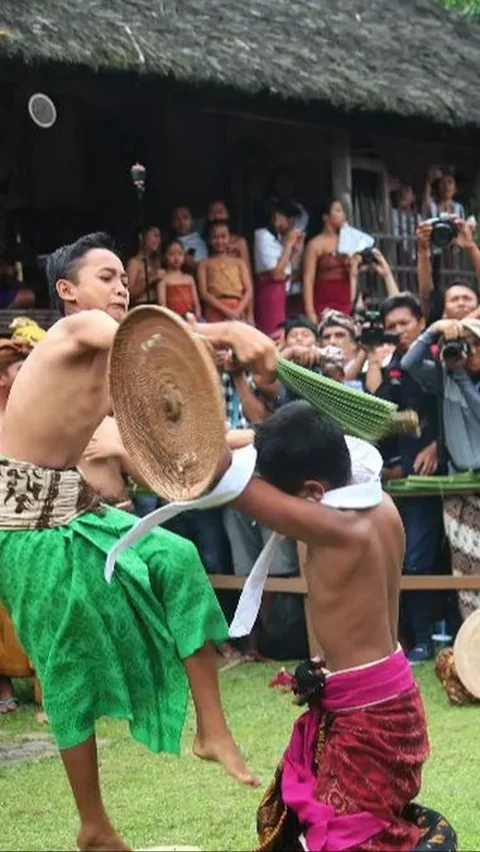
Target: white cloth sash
[
  {"x": 229, "y": 487},
  {"x": 364, "y": 493}
]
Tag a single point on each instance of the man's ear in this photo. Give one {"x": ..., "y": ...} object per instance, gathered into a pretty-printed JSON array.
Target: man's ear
[
  {"x": 313, "y": 490},
  {"x": 65, "y": 290}
]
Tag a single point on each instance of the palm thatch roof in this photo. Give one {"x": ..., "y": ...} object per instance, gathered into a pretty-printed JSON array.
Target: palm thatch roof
[{"x": 405, "y": 57}]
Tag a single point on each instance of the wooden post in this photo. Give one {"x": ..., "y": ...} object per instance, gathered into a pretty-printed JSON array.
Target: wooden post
[{"x": 342, "y": 174}]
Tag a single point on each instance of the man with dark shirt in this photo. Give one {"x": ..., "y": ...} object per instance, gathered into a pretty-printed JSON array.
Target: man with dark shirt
[{"x": 407, "y": 454}]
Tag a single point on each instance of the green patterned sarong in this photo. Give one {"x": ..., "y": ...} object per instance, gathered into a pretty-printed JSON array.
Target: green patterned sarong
[{"x": 98, "y": 649}]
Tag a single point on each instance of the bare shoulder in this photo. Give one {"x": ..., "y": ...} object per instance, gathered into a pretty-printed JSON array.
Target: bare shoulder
[
  {"x": 93, "y": 329},
  {"x": 316, "y": 245},
  {"x": 362, "y": 524}
]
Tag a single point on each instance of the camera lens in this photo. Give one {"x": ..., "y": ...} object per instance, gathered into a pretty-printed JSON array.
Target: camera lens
[{"x": 443, "y": 232}]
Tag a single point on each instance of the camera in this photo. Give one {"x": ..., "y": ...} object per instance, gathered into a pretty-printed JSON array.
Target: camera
[
  {"x": 373, "y": 333},
  {"x": 452, "y": 350},
  {"x": 368, "y": 258},
  {"x": 444, "y": 230}
]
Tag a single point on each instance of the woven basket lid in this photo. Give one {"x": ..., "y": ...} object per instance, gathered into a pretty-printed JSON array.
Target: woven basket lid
[
  {"x": 167, "y": 402},
  {"x": 466, "y": 652}
]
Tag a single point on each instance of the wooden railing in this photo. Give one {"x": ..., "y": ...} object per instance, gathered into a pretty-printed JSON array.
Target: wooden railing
[
  {"x": 298, "y": 585},
  {"x": 400, "y": 252}
]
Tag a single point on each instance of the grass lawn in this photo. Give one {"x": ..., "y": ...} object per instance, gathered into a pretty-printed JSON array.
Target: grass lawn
[{"x": 166, "y": 801}]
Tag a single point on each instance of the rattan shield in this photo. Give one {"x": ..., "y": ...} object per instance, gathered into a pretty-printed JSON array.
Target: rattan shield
[{"x": 167, "y": 402}]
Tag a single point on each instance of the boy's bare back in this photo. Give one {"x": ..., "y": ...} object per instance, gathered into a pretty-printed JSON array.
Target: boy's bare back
[{"x": 354, "y": 589}]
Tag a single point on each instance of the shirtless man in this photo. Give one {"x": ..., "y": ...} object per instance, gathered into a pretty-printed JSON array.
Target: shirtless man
[
  {"x": 105, "y": 466},
  {"x": 355, "y": 758},
  {"x": 120, "y": 649}
]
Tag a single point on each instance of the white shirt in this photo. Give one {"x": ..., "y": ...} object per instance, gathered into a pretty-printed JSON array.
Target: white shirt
[
  {"x": 268, "y": 250},
  {"x": 195, "y": 242}
]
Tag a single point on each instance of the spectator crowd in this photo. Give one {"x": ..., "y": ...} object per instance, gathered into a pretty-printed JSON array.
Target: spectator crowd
[{"x": 419, "y": 351}]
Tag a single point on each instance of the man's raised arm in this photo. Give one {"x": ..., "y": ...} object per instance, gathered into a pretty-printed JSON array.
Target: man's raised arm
[
  {"x": 92, "y": 329},
  {"x": 251, "y": 347},
  {"x": 294, "y": 517}
]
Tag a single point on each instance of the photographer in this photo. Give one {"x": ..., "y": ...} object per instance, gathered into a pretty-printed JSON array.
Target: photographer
[
  {"x": 401, "y": 316},
  {"x": 457, "y": 380},
  {"x": 460, "y": 298}
]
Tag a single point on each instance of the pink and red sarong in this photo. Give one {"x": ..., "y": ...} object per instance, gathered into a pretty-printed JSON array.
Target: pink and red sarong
[
  {"x": 353, "y": 764},
  {"x": 270, "y": 303}
]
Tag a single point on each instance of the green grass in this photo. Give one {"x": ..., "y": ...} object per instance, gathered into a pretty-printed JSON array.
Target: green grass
[{"x": 166, "y": 800}]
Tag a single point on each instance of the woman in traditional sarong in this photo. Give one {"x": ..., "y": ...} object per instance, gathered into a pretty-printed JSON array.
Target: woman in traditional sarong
[
  {"x": 147, "y": 259},
  {"x": 177, "y": 290},
  {"x": 276, "y": 249},
  {"x": 329, "y": 279},
  {"x": 224, "y": 282}
]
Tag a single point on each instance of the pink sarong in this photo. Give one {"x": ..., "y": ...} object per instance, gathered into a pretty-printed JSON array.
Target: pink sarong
[
  {"x": 270, "y": 303},
  {"x": 351, "y": 792}
]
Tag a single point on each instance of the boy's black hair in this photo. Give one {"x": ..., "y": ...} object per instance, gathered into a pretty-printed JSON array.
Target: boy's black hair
[
  {"x": 64, "y": 261},
  {"x": 300, "y": 322},
  {"x": 403, "y": 300},
  {"x": 298, "y": 443}
]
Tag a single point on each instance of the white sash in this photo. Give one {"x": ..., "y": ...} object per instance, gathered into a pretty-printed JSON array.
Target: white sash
[{"x": 364, "y": 493}]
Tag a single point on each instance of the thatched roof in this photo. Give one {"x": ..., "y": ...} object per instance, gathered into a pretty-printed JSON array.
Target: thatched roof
[{"x": 407, "y": 57}]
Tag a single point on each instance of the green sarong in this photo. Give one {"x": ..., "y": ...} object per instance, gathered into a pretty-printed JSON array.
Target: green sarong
[{"x": 107, "y": 650}]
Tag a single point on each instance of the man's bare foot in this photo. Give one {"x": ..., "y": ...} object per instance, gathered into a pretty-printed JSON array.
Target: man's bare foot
[
  {"x": 90, "y": 840},
  {"x": 41, "y": 718},
  {"x": 225, "y": 751}
]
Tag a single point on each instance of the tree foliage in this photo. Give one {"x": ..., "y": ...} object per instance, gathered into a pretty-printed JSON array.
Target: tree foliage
[{"x": 466, "y": 7}]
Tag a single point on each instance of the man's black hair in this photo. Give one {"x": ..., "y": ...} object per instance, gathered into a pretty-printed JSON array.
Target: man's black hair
[
  {"x": 458, "y": 282},
  {"x": 64, "y": 261},
  {"x": 403, "y": 300},
  {"x": 298, "y": 443},
  {"x": 300, "y": 322}
]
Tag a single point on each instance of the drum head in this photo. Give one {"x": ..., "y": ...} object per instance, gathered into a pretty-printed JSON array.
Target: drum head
[
  {"x": 167, "y": 402},
  {"x": 466, "y": 652}
]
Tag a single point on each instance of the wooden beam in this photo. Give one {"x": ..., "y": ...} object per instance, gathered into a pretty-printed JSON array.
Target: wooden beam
[
  {"x": 298, "y": 586},
  {"x": 342, "y": 173}
]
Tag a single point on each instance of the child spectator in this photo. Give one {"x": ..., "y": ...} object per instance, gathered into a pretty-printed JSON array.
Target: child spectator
[
  {"x": 224, "y": 282},
  {"x": 177, "y": 290},
  {"x": 237, "y": 245}
]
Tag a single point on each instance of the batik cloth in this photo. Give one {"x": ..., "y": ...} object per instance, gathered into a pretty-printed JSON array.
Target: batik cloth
[
  {"x": 461, "y": 515},
  {"x": 353, "y": 764},
  {"x": 100, "y": 649}
]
